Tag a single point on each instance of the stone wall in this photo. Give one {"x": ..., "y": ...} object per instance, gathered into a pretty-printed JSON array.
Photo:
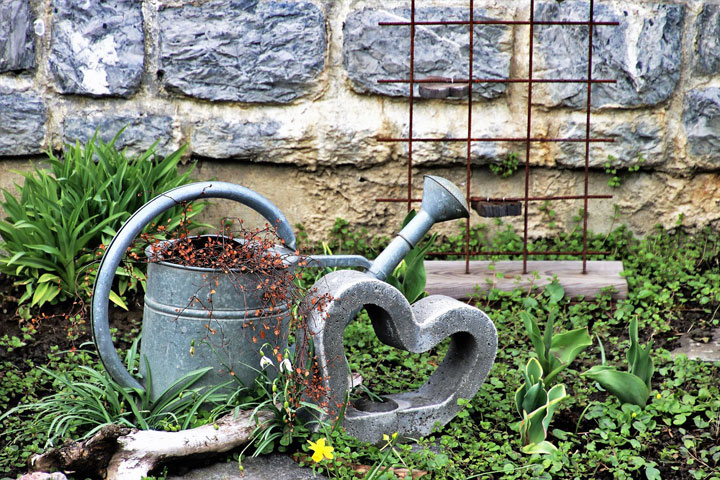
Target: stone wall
[{"x": 283, "y": 97}]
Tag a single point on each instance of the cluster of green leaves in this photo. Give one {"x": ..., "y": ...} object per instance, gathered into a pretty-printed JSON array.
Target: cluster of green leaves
[
  {"x": 612, "y": 169},
  {"x": 343, "y": 238},
  {"x": 536, "y": 404},
  {"x": 66, "y": 212},
  {"x": 87, "y": 399},
  {"x": 507, "y": 166},
  {"x": 26, "y": 383},
  {"x": 632, "y": 386},
  {"x": 537, "y": 398},
  {"x": 554, "y": 351}
]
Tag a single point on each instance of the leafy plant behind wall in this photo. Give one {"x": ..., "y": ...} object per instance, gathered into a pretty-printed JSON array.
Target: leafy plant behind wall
[
  {"x": 507, "y": 166},
  {"x": 66, "y": 212}
]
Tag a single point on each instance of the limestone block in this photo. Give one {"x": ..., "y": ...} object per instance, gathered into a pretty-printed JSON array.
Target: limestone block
[
  {"x": 23, "y": 124},
  {"x": 701, "y": 117},
  {"x": 648, "y": 199},
  {"x": 643, "y": 53},
  {"x": 17, "y": 47},
  {"x": 373, "y": 52},
  {"x": 301, "y": 135},
  {"x": 241, "y": 139},
  {"x": 141, "y": 131},
  {"x": 707, "y": 41},
  {"x": 97, "y": 48},
  {"x": 636, "y": 139},
  {"x": 244, "y": 51}
]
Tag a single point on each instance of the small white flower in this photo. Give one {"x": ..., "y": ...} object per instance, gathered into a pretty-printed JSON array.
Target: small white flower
[
  {"x": 285, "y": 364},
  {"x": 265, "y": 362},
  {"x": 39, "y": 27}
]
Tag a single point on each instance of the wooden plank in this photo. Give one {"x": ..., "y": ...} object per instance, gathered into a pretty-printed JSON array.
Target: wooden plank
[{"x": 447, "y": 277}]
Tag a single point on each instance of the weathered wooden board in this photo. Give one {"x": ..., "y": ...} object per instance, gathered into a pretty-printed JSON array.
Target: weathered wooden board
[{"x": 448, "y": 277}]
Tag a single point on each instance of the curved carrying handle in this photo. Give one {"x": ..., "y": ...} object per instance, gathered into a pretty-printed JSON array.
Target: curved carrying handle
[{"x": 134, "y": 225}]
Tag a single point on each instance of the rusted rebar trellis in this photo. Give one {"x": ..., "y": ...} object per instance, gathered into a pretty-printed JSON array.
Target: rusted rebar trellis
[{"x": 528, "y": 139}]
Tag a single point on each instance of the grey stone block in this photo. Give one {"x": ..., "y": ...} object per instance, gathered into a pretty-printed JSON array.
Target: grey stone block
[
  {"x": 644, "y": 58},
  {"x": 17, "y": 47},
  {"x": 97, "y": 48},
  {"x": 707, "y": 41},
  {"x": 22, "y": 128},
  {"x": 373, "y": 52},
  {"x": 222, "y": 139},
  {"x": 245, "y": 51},
  {"x": 267, "y": 467},
  {"x": 641, "y": 138},
  {"x": 701, "y": 117},
  {"x": 140, "y": 133},
  {"x": 417, "y": 329}
]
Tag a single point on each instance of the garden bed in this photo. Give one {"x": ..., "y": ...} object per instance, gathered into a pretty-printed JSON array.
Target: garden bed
[{"x": 674, "y": 290}]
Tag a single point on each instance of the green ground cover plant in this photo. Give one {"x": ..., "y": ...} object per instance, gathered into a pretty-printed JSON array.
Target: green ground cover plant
[
  {"x": 674, "y": 282},
  {"x": 66, "y": 212}
]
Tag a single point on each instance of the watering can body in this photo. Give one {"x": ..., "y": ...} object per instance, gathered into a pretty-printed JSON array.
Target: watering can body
[{"x": 203, "y": 317}]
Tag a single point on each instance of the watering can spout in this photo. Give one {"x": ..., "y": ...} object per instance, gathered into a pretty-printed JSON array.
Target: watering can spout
[{"x": 442, "y": 201}]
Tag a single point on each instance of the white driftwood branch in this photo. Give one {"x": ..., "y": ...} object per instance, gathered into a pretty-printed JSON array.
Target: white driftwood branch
[
  {"x": 140, "y": 451},
  {"x": 137, "y": 452}
]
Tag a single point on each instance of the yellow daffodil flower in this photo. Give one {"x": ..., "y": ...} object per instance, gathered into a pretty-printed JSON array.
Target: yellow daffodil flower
[
  {"x": 387, "y": 438},
  {"x": 321, "y": 450}
]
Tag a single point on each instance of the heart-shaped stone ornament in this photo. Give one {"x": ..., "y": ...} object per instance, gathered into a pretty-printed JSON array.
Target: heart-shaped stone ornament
[{"x": 416, "y": 328}]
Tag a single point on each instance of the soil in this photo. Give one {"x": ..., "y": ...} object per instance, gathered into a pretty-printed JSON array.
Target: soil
[{"x": 49, "y": 327}]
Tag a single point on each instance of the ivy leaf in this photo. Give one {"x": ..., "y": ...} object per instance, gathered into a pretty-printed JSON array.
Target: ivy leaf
[
  {"x": 555, "y": 291},
  {"x": 652, "y": 473}
]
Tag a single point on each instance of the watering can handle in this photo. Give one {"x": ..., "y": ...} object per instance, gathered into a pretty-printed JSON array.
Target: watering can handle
[{"x": 134, "y": 225}]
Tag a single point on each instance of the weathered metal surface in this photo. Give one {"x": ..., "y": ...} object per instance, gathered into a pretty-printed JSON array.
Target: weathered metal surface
[
  {"x": 441, "y": 201},
  {"x": 416, "y": 328},
  {"x": 204, "y": 317},
  {"x": 132, "y": 227}
]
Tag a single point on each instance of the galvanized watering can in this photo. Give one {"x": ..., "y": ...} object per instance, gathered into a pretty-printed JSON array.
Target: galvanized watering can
[{"x": 173, "y": 324}]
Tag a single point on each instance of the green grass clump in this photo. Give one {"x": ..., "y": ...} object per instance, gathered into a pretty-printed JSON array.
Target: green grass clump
[{"x": 65, "y": 213}]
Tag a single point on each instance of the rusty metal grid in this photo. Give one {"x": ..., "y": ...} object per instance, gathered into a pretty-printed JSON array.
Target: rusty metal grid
[{"x": 528, "y": 139}]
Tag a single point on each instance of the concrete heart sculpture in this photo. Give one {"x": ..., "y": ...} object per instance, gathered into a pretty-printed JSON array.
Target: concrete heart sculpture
[{"x": 416, "y": 328}]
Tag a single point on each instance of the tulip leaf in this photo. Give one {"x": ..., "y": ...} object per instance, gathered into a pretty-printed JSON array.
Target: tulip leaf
[
  {"x": 628, "y": 388},
  {"x": 566, "y": 346}
]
